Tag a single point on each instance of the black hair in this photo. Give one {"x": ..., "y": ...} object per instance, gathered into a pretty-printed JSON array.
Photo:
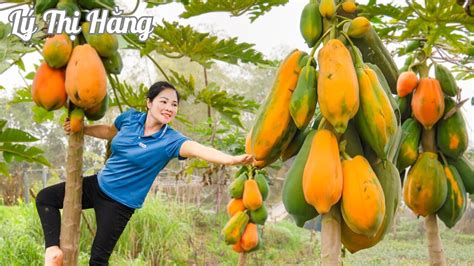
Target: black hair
[{"x": 158, "y": 87}]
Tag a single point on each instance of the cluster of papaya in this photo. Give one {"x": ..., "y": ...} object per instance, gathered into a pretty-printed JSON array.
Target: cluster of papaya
[
  {"x": 434, "y": 184},
  {"x": 76, "y": 70},
  {"x": 246, "y": 210},
  {"x": 339, "y": 120}
]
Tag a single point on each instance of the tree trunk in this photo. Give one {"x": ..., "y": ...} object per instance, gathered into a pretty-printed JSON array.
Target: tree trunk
[
  {"x": 435, "y": 246},
  {"x": 242, "y": 259},
  {"x": 70, "y": 226},
  {"x": 331, "y": 237}
]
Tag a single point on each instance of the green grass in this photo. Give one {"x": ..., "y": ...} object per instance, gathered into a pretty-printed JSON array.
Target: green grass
[{"x": 165, "y": 232}]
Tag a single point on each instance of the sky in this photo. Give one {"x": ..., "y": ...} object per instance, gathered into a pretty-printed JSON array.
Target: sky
[{"x": 273, "y": 34}]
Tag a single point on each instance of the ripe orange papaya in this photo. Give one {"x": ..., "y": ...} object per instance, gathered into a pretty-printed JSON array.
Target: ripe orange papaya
[
  {"x": 406, "y": 83},
  {"x": 304, "y": 98},
  {"x": 336, "y": 70},
  {"x": 86, "y": 82},
  {"x": 234, "y": 206},
  {"x": 252, "y": 197},
  {"x": 274, "y": 127},
  {"x": 358, "y": 27},
  {"x": 292, "y": 195},
  {"x": 363, "y": 201},
  {"x": 322, "y": 177},
  {"x": 456, "y": 201},
  {"x": 76, "y": 120},
  {"x": 249, "y": 238},
  {"x": 57, "y": 50},
  {"x": 235, "y": 227},
  {"x": 451, "y": 133},
  {"x": 427, "y": 102},
  {"x": 48, "y": 89},
  {"x": 425, "y": 188},
  {"x": 349, "y": 6},
  {"x": 327, "y": 8}
]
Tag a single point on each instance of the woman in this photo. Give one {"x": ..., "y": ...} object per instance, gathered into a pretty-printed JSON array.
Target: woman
[{"x": 142, "y": 144}]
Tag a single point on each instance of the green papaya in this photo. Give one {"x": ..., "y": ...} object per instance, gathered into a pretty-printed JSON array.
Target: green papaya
[
  {"x": 374, "y": 51},
  {"x": 465, "y": 169},
  {"x": 259, "y": 216},
  {"x": 304, "y": 98},
  {"x": 262, "y": 185},
  {"x": 409, "y": 145},
  {"x": 234, "y": 228},
  {"x": 295, "y": 144},
  {"x": 451, "y": 134},
  {"x": 353, "y": 143},
  {"x": 113, "y": 64},
  {"x": 311, "y": 24},
  {"x": 105, "y": 44},
  {"x": 69, "y": 6},
  {"x": 412, "y": 46},
  {"x": 446, "y": 80},
  {"x": 97, "y": 112},
  {"x": 408, "y": 61},
  {"x": 42, "y": 5},
  {"x": 292, "y": 194},
  {"x": 404, "y": 104},
  {"x": 236, "y": 188},
  {"x": 456, "y": 201}
]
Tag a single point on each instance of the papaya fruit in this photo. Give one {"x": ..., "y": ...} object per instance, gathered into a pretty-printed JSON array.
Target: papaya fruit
[
  {"x": 408, "y": 62},
  {"x": 375, "y": 119},
  {"x": 234, "y": 206},
  {"x": 237, "y": 247},
  {"x": 404, "y": 104},
  {"x": 249, "y": 238},
  {"x": 292, "y": 194},
  {"x": 274, "y": 127},
  {"x": 86, "y": 82},
  {"x": 406, "y": 83},
  {"x": 358, "y": 27},
  {"x": 456, "y": 200},
  {"x": 252, "y": 197},
  {"x": 374, "y": 51},
  {"x": 363, "y": 200},
  {"x": 349, "y": 6},
  {"x": 412, "y": 46},
  {"x": 259, "y": 216},
  {"x": 336, "y": 70},
  {"x": 466, "y": 172},
  {"x": 410, "y": 142},
  {"x": 327, "y": 8},
  {"x": 105, "y": 44},
  {"x": 425, "y": 188},
  {"x": 236, "y": 188},
  {"x": 427, "y": 103},
  {"x": 390, "y": 181},
  {"x": 451, "y": 133},
  {"x": 259, "y": 164},
  {"x": 234, "y": 228},
  {"x": 262, "y": 185},
  {"x": 311, "y": 24},
  {"x": 42, "y": 5},
  {"x": 352, "y": 139},
  {"x": 70, "y": 6},
  {"x": 113, "y": 64},
  {"x": 295, "y": 144},
  {"x": 57, "y": 50},
  {"x": 446, "y": 80},
  {"x": 322, "y": 177},
  {"x": 48, "y": 89},
  {"x": 97, "y": 112},
  {"x": 76, "y": 120},
  {"x": 304, "y": 98}
]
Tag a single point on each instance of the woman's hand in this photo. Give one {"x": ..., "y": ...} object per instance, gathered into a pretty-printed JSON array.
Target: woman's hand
[
  {"x": 67, "y": 126},
  {"x": 242, "y": 159}
]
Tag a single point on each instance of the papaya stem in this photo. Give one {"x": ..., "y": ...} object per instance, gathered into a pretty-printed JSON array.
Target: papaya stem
[
  {"x": 333, "y": 29},
  {"x": 112, "y": 84},
  {"x": 343, "y": 21},
  {"x": 322, "y": 123},
  {"x": 428, "y": 140},
  {"x": 342, "y": 148},
  {"x": 445, "y": 162}
]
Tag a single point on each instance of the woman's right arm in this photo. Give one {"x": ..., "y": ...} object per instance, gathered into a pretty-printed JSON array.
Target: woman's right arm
[{"x": 98, "y": 131}]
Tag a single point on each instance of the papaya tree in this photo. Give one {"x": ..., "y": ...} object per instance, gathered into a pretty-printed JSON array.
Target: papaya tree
[{"x": 433, "y": 34}]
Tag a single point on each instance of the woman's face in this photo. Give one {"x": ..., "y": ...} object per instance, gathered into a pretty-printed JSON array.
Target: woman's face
[{"x": 164, "y": 106}]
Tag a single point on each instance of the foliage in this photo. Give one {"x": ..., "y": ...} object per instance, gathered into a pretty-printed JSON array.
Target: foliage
[{"x": 444, "y": 29}]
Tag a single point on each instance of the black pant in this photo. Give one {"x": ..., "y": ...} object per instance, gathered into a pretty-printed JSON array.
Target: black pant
[{"x": 111, "y": 217}]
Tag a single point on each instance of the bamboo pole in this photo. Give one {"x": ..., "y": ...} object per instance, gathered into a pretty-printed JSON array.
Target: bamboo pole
[{"x": 70, "y": 226}]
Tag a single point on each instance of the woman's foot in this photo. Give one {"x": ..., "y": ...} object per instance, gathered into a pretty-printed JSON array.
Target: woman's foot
[{"x": 53, "y": 256}]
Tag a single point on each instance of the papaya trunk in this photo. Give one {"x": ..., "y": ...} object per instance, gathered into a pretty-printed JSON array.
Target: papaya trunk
[
  {"x": 72, "y": 200},
  {"x": 242, "y": 259},
  {"x": 435, "y": 246},
  {"x": 331, "y": 237}
]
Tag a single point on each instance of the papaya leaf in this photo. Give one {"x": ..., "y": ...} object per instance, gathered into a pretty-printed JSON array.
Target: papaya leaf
[
  {"x": 4, "y": 169},
  {"x": 20, "y": 152},
  {"x": 2, "y": 123},
  {"x": 22, "y": 95},
  {"x": 176, "y": 41},
  {"x": 41, "y": 115},
  {"x": 252, "y": 8},
  {"x": 185, "y": 86},
  {"x": 16, "y": 135}
]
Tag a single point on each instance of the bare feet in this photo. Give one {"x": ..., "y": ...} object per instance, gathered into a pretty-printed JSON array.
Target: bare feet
[{"x": 53, "y": 256}]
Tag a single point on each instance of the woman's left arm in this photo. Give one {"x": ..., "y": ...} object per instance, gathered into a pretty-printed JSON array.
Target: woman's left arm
[{"x": 194, "y": 149}]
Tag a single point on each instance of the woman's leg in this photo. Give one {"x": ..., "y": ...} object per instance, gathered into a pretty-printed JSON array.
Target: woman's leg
[{"x": 112, "y": 218}]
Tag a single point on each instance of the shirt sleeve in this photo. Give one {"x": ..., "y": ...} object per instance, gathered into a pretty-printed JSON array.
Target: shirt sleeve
[
  {"x": 122, "y": 117},
  {"x": 174, "y": 146}
]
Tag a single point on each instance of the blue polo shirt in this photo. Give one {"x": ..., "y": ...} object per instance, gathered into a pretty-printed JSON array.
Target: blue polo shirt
[{"x": 136, "y": 160}]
